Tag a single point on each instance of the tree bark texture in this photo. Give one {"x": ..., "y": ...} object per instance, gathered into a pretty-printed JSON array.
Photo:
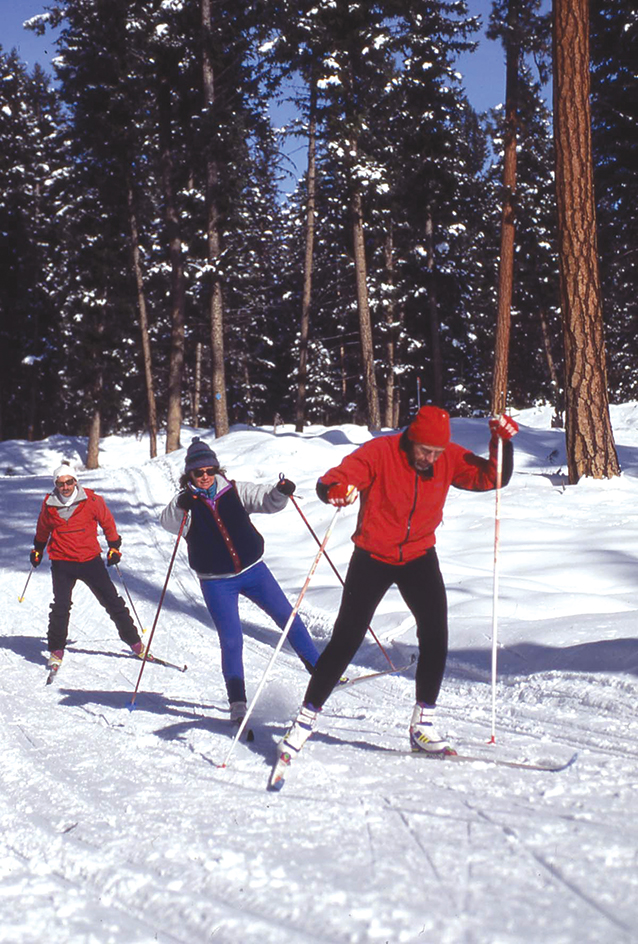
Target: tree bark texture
[
  {"x": 143, "y": 317},
  {"x": 300, "y": 413},
  {"x": 508, "y": 222},
  {"x": 216, "y": 303},
  {"x": 590, "y": 442}
]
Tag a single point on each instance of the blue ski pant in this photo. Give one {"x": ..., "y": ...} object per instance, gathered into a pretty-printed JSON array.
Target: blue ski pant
[
  {"x": 421, "y": 585},
  {"x": 222, "y": 599}
]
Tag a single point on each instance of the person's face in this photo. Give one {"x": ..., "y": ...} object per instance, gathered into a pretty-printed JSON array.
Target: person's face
[
  {"x": 424, "y": 456},
  {"x": 65, "y": 486},
  {"x": 203, "y": 478}
]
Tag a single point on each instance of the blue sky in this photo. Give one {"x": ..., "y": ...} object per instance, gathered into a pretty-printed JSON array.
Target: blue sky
[{"x": 483, "y": 70}]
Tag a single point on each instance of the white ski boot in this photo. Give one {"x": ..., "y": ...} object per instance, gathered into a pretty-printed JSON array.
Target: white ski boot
[
  {"x": 288, "y": 748},
  {"x": 423, "y": 735}
]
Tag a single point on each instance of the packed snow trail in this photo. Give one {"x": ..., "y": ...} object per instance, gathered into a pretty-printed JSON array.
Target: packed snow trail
[{"x": 118, "y": 828}]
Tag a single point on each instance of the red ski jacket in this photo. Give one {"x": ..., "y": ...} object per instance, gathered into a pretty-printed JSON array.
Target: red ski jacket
[
  {"x": 76, "y": 538},
  {"x": 400, "y": 507}
]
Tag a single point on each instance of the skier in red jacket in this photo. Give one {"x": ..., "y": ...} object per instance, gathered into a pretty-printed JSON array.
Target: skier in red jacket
[
  {"x": 68, "y": 523},
  {"x": 402, "y": 481}
]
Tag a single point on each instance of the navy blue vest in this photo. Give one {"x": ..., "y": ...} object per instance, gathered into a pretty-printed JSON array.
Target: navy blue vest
[{"x": 222, "y": 539}]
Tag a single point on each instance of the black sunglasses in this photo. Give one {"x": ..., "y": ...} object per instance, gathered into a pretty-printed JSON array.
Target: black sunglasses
[{"x": 199, "y": 473}]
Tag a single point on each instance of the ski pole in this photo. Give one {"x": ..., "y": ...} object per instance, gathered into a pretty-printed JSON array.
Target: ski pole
[
  {"x": 21, "y": 598},
  {"x": 131, "y": 704},
  {"x": 497, "y": 536},
  {"x": 339, "y": 577},
  {"x": 139, "y": 622},
  {"x": 282, "y": 639}
]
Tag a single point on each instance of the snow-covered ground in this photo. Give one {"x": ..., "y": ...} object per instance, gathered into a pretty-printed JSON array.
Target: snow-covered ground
[{"x": 117, "y": 827}]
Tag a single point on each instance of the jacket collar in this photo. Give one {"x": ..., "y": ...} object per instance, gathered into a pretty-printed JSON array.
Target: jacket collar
[{"x": 53, "y": 500}]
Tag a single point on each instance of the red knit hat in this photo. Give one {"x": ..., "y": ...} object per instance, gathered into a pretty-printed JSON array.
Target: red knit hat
[{"x": 431, "y": 427}]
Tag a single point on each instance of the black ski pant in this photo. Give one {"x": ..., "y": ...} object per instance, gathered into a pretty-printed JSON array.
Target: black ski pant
[
  {"x": 93, "y": 573},
  {"x": 421, "y": 585}
]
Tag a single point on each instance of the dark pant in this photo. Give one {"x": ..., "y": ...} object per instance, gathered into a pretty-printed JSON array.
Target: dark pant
[
  {"x": 421, "y": 585},
  {"x": 94, "y": 574}
]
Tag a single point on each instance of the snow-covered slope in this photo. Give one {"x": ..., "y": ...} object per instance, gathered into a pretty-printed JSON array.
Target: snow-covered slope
[{"x": 117, "y": 827}]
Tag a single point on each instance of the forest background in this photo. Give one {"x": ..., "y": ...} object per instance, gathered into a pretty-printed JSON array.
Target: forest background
[{"x": 153, "y": 270}]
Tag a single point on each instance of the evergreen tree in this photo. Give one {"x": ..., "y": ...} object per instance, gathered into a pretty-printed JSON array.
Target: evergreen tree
[
  {"x": 614, "y": 52},
  {"x": 31, "y": 166}
]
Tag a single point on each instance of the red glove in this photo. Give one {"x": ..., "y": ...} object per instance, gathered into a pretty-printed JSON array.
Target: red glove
[
  {"x": 340, "y": 494},
  {"x": 504, "y": 426}
]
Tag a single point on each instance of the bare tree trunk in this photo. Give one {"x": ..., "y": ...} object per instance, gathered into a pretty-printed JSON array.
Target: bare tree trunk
[
  {"x": 198, "y": 384},
  {"x": 363, "y": 306},
  {"x": 435, "y": 328},
  {"x": 553, "y": 372},
  {"x": 300, "y": 413},
  {"x": 590, "y": 441},
  {"x": 391, "y": 331},
  {"x": 95, "y": 427},
  {"x": 93, "y": 448},
  {"x": 218, "y": 383},
  {"x": 359, "y": 254},
  {"x": 178, "y": 293},
  {"x": 508, "y": 219},
  {"x": 143, "y": 316},
  {"x": 344, "y": 378}
]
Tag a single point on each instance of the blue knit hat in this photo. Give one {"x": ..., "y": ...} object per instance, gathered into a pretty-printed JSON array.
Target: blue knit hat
[{"x": 200, "y": 456}]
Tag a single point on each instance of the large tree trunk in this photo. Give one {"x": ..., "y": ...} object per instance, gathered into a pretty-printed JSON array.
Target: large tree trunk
[
  {"x": 508, "y": 221},
  {"x": 590, "y": 442},
  {"x": 178, "y": 292},
  {"x": 300, "y": 413},
  {"x": 141, "y": 308},
  {"x": 216, "y": 303}
]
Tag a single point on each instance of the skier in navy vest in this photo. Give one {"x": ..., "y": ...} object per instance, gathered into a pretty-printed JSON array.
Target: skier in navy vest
[{"x": 225, "y": 550}]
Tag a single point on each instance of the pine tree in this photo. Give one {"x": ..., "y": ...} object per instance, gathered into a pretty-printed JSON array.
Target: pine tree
[
  {"x": 31, "y": 164},
  {"x": 614, "y": 52}
]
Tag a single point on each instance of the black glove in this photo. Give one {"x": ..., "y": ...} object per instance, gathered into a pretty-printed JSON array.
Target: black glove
[
  {"x": 185, "y": 499},
  {"x": 35, "y": 557},
  {"x": 114, "y": 556},
  {"x": 286, "y": 487}
]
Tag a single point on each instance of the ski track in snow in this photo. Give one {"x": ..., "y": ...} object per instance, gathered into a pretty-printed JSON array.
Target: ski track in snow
[{"x": 118, "y": 827}]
